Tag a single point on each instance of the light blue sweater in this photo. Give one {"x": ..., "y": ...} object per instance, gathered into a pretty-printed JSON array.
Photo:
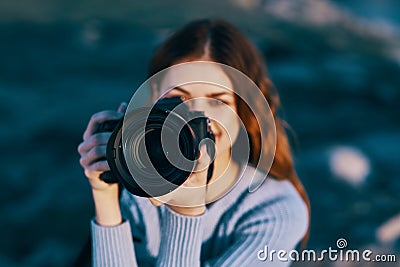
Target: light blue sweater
[{"x": 230, "y": 233}]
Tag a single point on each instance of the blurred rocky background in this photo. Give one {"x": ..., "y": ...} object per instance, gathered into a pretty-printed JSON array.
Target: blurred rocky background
[{"x": 336, "y": 65}]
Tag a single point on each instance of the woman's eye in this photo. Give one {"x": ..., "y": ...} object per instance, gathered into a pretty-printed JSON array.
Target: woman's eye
[
  {"x": 216, "y": 102},
  {"x": 182, "y": 97}
]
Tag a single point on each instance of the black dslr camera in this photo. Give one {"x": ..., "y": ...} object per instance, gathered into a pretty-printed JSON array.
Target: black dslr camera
[{"x": 159, "y": 148}]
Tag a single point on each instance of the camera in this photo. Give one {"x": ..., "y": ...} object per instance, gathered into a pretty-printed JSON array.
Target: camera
[{"x": 153, "y": 150}]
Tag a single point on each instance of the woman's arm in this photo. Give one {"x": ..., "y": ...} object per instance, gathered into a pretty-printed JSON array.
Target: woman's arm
[
  {"x": 114, "y": 245},
  {"x": 111, "y": 237}
]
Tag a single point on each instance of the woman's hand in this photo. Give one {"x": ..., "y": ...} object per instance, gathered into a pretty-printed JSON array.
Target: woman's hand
[
  {"x": 189, "y": 198},
  {"x": 93, "y": 148},
  {"x": 93, "y": 160}
]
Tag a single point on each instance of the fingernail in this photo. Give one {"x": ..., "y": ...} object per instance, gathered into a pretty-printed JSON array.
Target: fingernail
[{"x": 122, "y": 107}]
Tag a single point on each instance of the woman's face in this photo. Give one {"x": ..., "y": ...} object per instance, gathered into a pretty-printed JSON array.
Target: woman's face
[{"x": 217, "y": 103}]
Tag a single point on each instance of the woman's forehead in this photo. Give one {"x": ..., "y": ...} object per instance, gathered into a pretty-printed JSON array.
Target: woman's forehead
[{"x": 209, "y": 77}]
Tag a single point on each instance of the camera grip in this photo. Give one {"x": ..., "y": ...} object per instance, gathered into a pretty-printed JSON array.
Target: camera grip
[
  {"x": 108, "y": 126},
  {"x": 108, "y": 177}
]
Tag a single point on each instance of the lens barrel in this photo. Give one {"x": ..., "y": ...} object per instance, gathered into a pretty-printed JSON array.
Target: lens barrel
[{"x": 159, "y": 148}]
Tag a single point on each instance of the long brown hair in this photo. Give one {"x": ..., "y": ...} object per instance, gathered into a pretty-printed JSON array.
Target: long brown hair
[{"x": 225, "y": 44}]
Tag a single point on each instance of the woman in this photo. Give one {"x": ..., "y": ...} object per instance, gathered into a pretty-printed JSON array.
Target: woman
[{"x": 238, "y": 224}]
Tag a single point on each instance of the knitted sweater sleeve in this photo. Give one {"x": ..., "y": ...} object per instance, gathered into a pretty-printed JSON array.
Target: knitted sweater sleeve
[
  {"x": 181, "y": 238},
  {"x": 114, "y": 246}
]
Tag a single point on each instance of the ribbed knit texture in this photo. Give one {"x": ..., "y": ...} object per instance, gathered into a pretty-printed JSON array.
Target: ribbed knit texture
[
  {"x": 113, "y": 246},
  {"x": 230, "y": 233},
  {"x": 182, "y": 243}
]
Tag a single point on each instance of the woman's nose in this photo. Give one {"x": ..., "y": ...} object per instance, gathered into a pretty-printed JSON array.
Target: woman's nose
[{"x": 197, "y": 104}]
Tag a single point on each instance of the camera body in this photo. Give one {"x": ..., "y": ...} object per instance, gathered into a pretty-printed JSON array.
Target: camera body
[{"x": 147, "y": 161}]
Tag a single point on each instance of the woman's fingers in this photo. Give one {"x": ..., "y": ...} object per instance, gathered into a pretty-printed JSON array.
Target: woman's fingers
[
  {"x": 95, "y": 154},
  {"x": 94, "y": 146},
  {"x": 94, "y": 140},
  {"x": 99, "y": 118},
  {"x": 93, "y": 172},
  {"x": 122, "y": 107},
  {"x": 99, "y": 166}
]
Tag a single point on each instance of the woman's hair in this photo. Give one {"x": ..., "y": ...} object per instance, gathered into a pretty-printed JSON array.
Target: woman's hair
[{"x": 223, "y": 43}]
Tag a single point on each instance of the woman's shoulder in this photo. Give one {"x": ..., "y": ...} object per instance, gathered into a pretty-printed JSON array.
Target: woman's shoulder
[
  {"x": 257, "y": 183},
  {"x": 273, "y": 200}
]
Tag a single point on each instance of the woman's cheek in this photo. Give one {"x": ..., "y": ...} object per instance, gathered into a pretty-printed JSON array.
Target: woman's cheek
[
  {"x": 233, "y": 130},
  {"x": 226, "y": 130}
]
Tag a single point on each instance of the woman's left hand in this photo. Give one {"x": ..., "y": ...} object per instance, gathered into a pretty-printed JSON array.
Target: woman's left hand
[{"x": 189, "y": 198}]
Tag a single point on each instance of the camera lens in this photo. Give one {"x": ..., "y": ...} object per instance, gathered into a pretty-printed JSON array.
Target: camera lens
[
  {"x": 159, "y": 152},
  {"x": 154, "y": 149}
]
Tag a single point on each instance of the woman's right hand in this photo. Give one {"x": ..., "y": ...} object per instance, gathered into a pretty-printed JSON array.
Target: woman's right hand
[
  {"x": 93, "y": 154},
  {"x": 93, "y": 148}
]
